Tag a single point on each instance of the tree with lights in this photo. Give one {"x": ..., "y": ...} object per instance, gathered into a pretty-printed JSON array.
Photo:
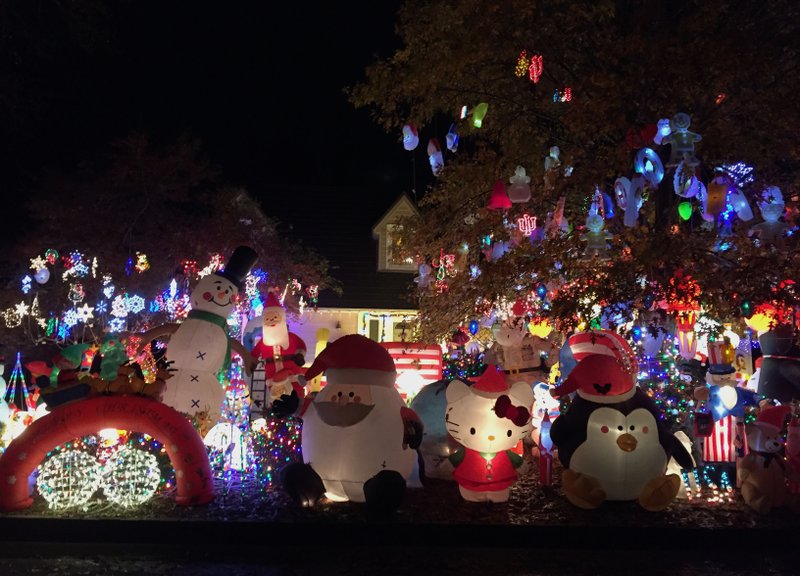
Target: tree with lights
[
  {"x": 665, "y": 116},
  {"x": 117, "y": 246}
]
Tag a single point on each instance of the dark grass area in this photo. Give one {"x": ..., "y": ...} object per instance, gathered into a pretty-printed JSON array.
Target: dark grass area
[{"x": 534, "y": 516}]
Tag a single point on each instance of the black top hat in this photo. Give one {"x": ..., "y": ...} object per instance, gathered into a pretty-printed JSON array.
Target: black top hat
[{"x": 239, "y": 265}]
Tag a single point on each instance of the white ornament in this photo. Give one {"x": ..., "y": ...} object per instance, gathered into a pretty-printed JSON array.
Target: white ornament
[
  {"x": 131, "y": 476},
  {"x": 68, "y": 479}
]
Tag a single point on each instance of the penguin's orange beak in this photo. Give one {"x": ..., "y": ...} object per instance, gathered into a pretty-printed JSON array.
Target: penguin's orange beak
[{"x": 627, "y": 443}]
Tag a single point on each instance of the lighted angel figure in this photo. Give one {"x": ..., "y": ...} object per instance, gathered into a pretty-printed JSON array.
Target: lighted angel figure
[
  {"x": 682, "y": 141},
  {"x": 595, "y": 238}
]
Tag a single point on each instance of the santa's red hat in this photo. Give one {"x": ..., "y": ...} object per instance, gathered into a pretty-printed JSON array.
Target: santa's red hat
[
  {"x": 354, "y": 359},
  {"x": 773, "y": 416},
  {"x": 272, "y": 301},
  {"x": 492, "y": 380},
  {"x": 599, "y": 378}
]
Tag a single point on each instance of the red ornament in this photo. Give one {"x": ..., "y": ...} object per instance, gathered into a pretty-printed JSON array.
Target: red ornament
[
  {"x": 519, "y": 308},
  {"x": 499, "y": 199}
]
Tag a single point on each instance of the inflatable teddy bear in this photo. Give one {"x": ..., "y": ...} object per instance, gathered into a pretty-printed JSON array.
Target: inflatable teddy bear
[
  {"x": 488, "y": 419},
  {"x": 762, "y": 472},
  {"x": 522, "y": 356}
]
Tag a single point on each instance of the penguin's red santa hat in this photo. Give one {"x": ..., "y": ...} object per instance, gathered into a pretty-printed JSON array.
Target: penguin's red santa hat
[
  {"x": 606, "y": 371},
  {"x": 354, "y": 359}
]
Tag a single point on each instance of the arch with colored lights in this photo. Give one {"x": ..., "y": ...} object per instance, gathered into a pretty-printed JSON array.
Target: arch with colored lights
[{"x": 183, "y": 444}]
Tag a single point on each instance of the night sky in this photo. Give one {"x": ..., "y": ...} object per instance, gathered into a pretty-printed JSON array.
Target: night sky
[{"x": 260, "y": 84}]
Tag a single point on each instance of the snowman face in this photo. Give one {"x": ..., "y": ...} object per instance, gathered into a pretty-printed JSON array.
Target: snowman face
[
  {"x": 623, "y": 432},
  {"x": 215, "y": 294}
]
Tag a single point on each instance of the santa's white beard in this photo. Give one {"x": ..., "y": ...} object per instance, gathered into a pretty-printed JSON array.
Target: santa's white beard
[{"x": 277, "y": 335}]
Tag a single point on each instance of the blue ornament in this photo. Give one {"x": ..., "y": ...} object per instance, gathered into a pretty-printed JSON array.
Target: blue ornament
[{"x": 473, "y": 327}]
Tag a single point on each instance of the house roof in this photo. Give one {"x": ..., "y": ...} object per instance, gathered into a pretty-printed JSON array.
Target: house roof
[
  {"x": 402, "y": 206},
  {"x": 338, "y": 224}
]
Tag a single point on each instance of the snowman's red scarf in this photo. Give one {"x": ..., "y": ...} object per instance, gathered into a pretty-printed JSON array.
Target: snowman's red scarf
[{"x": 519, "y": 415}]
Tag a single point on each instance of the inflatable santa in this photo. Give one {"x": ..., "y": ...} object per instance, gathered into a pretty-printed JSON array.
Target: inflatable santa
[
  {"x": 359, "y": 439},
  {"x": 282, "y": 351}
]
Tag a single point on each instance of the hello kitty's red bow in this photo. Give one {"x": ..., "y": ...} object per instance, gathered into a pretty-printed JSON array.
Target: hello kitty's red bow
[{"x": 519, "y": 415}]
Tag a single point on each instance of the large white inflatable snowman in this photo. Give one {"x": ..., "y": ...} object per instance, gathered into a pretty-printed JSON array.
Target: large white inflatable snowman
[
  {"x": 200, "y": 347},
  {"x": 359, "y": 439}
]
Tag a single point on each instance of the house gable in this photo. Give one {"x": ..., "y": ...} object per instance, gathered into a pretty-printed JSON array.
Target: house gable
[{"x": 386, "y": 232}]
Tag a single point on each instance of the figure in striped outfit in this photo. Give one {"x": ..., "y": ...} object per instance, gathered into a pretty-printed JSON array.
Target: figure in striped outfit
[{"x": 727, "y": 442}]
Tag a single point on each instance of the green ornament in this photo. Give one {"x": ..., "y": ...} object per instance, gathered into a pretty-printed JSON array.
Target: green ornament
[{"x": 685, "y": 210}]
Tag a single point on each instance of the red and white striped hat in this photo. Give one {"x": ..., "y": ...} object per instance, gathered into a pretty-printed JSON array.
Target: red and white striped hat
[{"x": 606, "y": 367}]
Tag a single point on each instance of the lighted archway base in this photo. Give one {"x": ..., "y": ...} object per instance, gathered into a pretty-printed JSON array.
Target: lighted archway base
[{"x": 77, "y": 419}]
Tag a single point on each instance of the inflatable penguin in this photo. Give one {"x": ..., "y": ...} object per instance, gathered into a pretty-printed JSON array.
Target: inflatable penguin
[
  {"x": 611, "y": 440},
  {"x": 200, "y": 347},
  {"x": 359, "y": 439}
]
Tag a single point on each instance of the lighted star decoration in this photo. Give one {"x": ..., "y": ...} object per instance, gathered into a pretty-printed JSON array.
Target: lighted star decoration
[
  {"x": 84, "y": 313},
  {"x": 21, "y": 309},
  {"x": 117, "y": 324},
  {"x": 38, "y": 263}
]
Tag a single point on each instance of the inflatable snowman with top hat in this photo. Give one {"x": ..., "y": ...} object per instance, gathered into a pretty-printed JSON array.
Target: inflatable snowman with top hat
[
  {"x": 359, "y": 439},
  {"x": 200, "y": 347},
  {"x": 611, "y": 440}
]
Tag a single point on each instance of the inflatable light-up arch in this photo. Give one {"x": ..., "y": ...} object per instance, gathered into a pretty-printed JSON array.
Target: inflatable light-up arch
[{"x": 135, "y": 413}]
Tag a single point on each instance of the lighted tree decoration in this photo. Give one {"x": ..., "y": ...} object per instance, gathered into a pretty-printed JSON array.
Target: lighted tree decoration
[
  {"x": 606, "y": 71},
  {"x": 17, "y": 389}
]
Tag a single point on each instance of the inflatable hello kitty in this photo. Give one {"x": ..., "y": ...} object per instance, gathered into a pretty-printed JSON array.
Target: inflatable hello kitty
[{"x": 488, "y": 420}]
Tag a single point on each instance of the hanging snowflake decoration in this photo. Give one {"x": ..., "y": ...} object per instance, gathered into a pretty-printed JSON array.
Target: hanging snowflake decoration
[
  {"x": 135, "y": 304},
  {"x": 68, "y": 479},
  {"x": 130, "y": 476}
]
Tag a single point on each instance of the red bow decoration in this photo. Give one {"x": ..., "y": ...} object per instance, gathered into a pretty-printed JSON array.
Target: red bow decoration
[{"x": 519, "y": 415}]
